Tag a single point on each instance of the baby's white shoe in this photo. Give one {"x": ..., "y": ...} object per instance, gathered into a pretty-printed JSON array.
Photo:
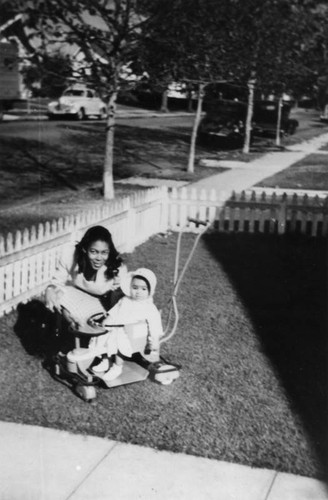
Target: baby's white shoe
[
  {"x": 152, "y": 356},
  {"x": 114, "y": 372},
  {"x": 102, "y": 366}
]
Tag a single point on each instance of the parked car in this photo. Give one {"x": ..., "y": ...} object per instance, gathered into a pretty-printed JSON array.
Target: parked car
[
  {"x": 225, "y": 121},
  {"x": 79, "y": 102},
  {"x": 265, "y": 118}
]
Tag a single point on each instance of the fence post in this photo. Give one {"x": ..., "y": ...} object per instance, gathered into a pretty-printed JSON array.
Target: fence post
[
  {"x": 2, "y": 246},
  {"x": 131, "y": 225},
  {"x": 282, "y": 215},
  {"x": 164, "y": 210}
]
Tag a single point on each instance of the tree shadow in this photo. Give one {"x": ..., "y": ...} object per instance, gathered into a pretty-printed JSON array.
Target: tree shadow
[
  {"x": 282, "y": 281},
  {"x": 144, "y": 135}
]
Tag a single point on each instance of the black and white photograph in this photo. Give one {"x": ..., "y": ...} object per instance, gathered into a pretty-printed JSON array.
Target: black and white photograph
[{"x": 163, "y": 249}]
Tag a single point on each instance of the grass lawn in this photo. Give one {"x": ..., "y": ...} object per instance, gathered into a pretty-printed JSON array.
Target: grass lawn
[
  {"x": 309, "y": 173},
  {"x": 45, "y": 180},
  {"x": 252, "y": 345},
  {"x": 71, "y": 157},
  {"x": 252, "y": 333}
]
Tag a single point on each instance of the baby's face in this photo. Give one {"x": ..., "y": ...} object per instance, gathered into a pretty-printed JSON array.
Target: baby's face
[{"x": 139, "y": 289}]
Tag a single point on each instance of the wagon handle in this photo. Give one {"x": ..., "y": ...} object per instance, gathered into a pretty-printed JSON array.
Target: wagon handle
[{"x": 198, "y": 221}]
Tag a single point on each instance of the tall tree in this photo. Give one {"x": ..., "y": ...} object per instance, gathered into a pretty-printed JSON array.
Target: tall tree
[
  {"x": 185, "y": 42},
  {"x": 245, "y": 41},
  {"x": 101, "y": 38},
  {"x": 174, "y": 40},
  {"x": 316, "y": 55},
  {"x": 273, "y": 36},
  {"x": 50, "y": 80}
]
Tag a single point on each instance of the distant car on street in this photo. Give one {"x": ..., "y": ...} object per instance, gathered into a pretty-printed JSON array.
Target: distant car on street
[
  {"x": 265, "y": 118},
  {"x": 225, "y": 121},
  {"x": 79, "y": 102}
]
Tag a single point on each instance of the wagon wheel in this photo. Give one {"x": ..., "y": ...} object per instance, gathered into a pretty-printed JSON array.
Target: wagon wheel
[{"x": 86, "y": 392}]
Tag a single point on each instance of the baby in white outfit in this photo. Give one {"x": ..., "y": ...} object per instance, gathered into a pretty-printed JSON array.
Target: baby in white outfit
[{"x": 136, "y": 305}]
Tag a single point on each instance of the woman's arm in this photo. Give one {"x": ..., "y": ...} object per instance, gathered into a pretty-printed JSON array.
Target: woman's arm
[
  {"x": 64, "y": 268},
  {"x": 53, "y": 295},
  {"x": 61, "y": 277}
]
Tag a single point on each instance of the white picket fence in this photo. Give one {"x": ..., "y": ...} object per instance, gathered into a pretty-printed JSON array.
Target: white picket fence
[
  {"x": 28, "y": 258},
  {"x": 249, "y": 212}
]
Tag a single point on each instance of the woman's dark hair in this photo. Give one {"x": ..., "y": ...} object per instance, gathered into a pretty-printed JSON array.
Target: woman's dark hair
[{"x": 98, "y": 233}]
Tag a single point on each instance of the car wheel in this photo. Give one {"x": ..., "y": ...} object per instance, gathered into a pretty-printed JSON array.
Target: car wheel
[
  {"x": 102, "y": 114},
  {"x": 292, "y": 126},
  {"x": 235, "y": 140},
  {"x": 80, "y": 115}
]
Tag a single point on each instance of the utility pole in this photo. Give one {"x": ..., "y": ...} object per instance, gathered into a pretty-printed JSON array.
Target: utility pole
[
  {"x": 164, "y": 104},
  {"x": 278, "y": 129},
  {"x": 250, "y": 107},
  {"x": 191, "y": 161}
]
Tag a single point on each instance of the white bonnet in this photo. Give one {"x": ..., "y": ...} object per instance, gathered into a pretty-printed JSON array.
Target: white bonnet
[{"x": 147, "y": 274}]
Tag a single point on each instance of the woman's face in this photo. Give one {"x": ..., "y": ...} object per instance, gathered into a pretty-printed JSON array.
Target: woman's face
[{"x": 97, "y": 254}]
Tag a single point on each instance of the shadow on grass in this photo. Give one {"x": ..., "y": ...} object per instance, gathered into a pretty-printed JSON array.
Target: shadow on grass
[
  {"x": 282, "y": 282},
  {"x": 145, "y": 135},
  {"x": 138, "y": 134},
  {"x": 37, "y": 329}
]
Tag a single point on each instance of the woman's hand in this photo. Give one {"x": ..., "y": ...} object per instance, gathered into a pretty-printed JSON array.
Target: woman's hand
[
  {"x": 114, "y": 285},
  {"x": 116, "y": 282},
  {"x": 52, "y": 298}
]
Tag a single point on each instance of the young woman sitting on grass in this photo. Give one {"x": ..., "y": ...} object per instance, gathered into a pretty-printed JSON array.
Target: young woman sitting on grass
[{"x": 87, "y": 278}]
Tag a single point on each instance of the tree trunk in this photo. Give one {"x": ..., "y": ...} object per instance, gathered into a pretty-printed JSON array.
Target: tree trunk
[
  {"x": 250, "y": 107},
  {"x": 190, "y": 103},
  {"x": 108, "y": 183},
  {"x": 191, "y": 160},
  {"x": 164, "y": 105},
  {"x": 278, "y": 130}
]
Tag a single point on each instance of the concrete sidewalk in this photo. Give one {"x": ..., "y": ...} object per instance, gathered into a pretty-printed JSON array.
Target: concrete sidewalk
[
  {"x": 245, "y": 175},
  {"x": 46, "y": 464},
  {"x": 241, "y": 176}
]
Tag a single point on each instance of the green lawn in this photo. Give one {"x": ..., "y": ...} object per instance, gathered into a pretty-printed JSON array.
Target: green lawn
[
  {"x": 252, "y": 333},
  {"x": 31, "y": 168},
  {"x": 309, "y": 173},
  {"x": 41, "y": 182},
  {"x": 252, "y": 344},
  {"x": 50, "y": 180}
]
